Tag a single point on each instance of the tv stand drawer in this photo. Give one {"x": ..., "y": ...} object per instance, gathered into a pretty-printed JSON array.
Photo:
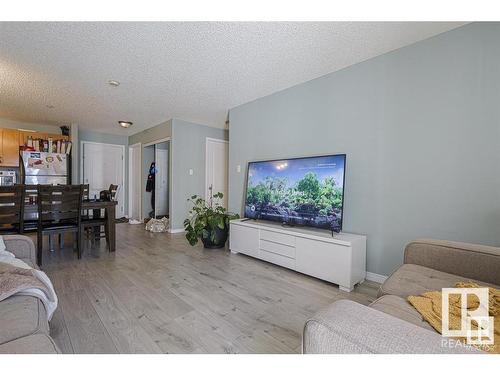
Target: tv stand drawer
[
  {"x": 280, "y": 260},
  {"x": 277, "y": 248},
  {"x": 280, "y": 238}
]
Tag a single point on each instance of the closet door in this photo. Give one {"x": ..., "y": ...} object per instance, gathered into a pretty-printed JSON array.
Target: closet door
[
  {"x": 161, "y": 182},
  {"x": 217, "y": 151}
]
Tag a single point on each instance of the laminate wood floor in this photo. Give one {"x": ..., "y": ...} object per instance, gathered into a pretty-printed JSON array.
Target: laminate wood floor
[{"x": 157, "y": 294}]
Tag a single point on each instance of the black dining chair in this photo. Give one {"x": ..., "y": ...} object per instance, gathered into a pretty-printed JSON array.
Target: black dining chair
[
  {"x": 97, "y": 221},
  {"x": 11, "y": 209},
  {"x": 85, "y": 215},
  {"x": 113, "y": 191},
  {"x": 59, "y": 212}
]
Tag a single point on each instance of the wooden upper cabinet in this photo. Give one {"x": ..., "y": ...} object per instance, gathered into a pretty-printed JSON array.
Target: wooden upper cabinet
[{"x": 9, "y": 147}]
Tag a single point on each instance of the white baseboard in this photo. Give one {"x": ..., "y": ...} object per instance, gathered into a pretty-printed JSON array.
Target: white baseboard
[
  {"x": 179, "y": 230},
  {"x": 375, "y": 277}
]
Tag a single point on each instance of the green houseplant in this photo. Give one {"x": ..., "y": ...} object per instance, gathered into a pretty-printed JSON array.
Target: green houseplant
[{"x": 208, "y": 221}]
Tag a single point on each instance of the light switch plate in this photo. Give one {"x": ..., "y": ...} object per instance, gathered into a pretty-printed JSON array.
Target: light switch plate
[
  {"x": 238, "y": 168},
  {"x": 191, "y": 172}
]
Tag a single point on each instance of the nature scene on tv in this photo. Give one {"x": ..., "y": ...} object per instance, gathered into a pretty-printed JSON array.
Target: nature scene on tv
[{"x": 306, "y": 191}]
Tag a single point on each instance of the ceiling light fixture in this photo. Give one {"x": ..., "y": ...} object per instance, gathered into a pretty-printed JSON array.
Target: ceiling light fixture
[
  {"x": 114, "y": 83},
  {"x": 125, "y": 124}
]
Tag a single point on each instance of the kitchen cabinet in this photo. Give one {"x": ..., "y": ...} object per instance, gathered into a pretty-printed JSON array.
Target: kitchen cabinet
[{"x": 9, "y": 148}]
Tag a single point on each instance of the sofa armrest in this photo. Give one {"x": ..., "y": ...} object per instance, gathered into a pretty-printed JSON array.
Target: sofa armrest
[
  {"x": 21, "y": 246},
  {"x": 477, "y": 262},
  {"x": 347, "y": 327}
]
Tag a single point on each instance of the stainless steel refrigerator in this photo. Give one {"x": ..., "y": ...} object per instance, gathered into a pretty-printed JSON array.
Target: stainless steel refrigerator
[{"x": 44, "y": 168}]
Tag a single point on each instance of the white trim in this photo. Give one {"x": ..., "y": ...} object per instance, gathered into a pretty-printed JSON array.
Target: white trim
[
  {"x": 180, "y": 230},
  {"x": 217, "y": 140},
  {"x": 81, "y": 156},
  {"x": 156, "y": 142},
  {"x": 167, "y": 151},
  {"x": 370, "y": 276},
  {"x": 130, "y": 180}
]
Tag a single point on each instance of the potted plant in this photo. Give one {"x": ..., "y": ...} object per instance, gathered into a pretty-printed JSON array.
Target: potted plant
[{"x": 208, "y": 221}]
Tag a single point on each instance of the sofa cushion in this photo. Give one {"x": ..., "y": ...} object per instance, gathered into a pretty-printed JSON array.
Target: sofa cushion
[
  {"x": 22, "y": 316},
  {"x": 413, "y": 280},
  {"x": 34, "y": 344},
  {"x": 30, "y": 263},
  {"x": 400, "y": 308}
]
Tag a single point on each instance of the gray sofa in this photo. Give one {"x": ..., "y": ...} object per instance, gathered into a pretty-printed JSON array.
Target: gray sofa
[
  {"x": 24, "y": 327},
  {"x": 390, "y": 324}
]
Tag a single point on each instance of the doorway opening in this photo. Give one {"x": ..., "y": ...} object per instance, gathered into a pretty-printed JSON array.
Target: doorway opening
[{"x": 156, "y": 174}]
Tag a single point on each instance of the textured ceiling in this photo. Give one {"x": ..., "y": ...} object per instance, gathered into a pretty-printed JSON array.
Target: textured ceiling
[{"x": 192, "y": 71}]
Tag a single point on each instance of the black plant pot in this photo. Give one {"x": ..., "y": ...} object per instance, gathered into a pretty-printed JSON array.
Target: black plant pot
[{"x": 220, "y": 239}]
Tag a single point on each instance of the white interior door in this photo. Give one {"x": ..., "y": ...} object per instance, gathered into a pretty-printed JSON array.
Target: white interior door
[
  {"x": 102, "y": 166},
  {"x": 161, "y": 182},
  {"x": 134, "y": 205},
  {"x": 216, "y": 167}
]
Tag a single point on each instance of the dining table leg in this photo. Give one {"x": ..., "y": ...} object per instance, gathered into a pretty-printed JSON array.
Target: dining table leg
[
  {"x": 111, "y": 224},
  {"x": 96, "y": 232}
]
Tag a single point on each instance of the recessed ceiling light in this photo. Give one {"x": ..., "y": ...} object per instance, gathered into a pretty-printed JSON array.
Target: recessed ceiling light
[
  {"x": 125, "y": 124},
  {"x": 114, "y": 83}
]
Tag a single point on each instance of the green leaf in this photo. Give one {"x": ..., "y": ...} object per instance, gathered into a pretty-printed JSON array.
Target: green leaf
[{"x": 221, "y": 223}]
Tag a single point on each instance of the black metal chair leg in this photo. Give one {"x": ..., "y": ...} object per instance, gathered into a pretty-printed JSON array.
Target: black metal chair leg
[
  {"x": 79, "y": 243},
  {"x": 51, "y": 242},
  {"x": 61, "y": 241},
  {"x": 39, "y": 248}
]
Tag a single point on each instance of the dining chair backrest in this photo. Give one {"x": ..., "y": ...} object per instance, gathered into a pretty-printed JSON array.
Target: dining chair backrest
[
  {"x": 86, "y": 192},
  {"x": 59, "y": 203},
  {"x": 12, "y": 207},
  {"x": 113, "y": 190}
]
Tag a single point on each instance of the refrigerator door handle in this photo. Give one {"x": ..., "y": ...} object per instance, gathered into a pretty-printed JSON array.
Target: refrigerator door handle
[{"x": 22, "y": 172}]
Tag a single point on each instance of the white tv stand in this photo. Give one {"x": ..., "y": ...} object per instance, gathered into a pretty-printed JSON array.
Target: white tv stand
[{"x": 340, "y": 259}]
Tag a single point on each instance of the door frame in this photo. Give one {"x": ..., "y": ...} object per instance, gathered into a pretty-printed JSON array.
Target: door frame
[
  {"x": 137, "y": 146},
  {"x": 168, "y": 178},
  {"x": 156, "y": 142},
  {"x": 82, "y": 156},
  {"x": 207, "y": 141}
]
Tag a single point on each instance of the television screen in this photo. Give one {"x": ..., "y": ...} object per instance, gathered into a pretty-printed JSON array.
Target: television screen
[{"x": 302, "y": 191}]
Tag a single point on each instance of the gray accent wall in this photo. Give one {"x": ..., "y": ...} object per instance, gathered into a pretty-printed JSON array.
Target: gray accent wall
[
  {"x": 188, "y": 150},
  {"x": 421, "y": 130}
]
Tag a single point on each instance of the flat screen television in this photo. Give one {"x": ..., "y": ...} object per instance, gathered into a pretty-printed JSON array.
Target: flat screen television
[{"x": 301, "y": 191}]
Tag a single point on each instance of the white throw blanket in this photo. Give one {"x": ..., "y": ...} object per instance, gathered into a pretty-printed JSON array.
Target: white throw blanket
[{"x": 48, "y": 299}]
